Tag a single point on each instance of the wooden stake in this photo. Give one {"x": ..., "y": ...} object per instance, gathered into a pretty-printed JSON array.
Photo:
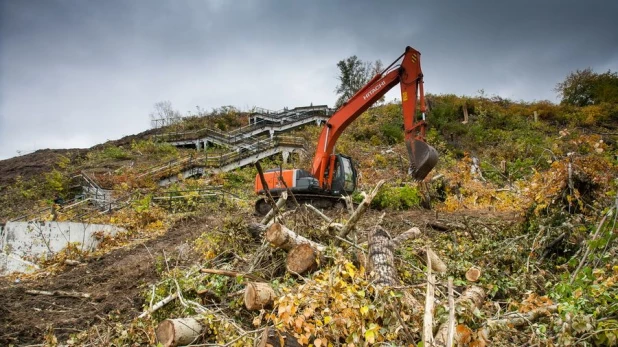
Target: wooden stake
[
  {"x": 265, "y": 185},
  {"x": 451, "y": 314},
  {"x": 473, "y": 297},
  {"x": 429, "y": 302}
]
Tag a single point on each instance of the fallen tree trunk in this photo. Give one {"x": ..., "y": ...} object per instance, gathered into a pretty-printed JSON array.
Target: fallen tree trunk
[
  {"x": 258, "y": 296},
  {"x": 281, "y": 237},
  {"x": 472, "y": 297},
  {"x": 61, "y": 293},
  {"x": 179, "y": 331},
  {"x": 381, "y": 258},
  {"x": 364, "y": 205},
  {"x": 158, "y": 305},
  {"x": 381, "y": 261},
  {"x": 319, "y": 213},
  {"x": 273, "y": 338},
  {"x": 516, "y": 319},
  {"x": 273, "y": 211}
]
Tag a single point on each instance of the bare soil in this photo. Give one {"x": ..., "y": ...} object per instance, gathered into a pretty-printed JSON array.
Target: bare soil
[
  {"x": 117, "y": 279},
  {"x": 34, "y": 164},
  {"x": 114, "y": 280}
]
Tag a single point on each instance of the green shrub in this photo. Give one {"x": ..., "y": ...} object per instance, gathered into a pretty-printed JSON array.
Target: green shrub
[
  {"x": 56, "y": 182},
  {"x": 393, "y": 133},
  {"x": 154, "y": 149},
  {"x": 397, "y": 198},
  {"x": 117, "y": 153}
]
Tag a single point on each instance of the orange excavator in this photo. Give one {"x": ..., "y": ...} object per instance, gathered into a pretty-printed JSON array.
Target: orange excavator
[{"x": 334, "y": 175}]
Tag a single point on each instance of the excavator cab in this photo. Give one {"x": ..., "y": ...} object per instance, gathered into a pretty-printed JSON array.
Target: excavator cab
[{"x": 344, "y": 181}]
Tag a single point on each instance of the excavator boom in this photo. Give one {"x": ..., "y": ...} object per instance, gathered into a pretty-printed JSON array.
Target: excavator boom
[
  {"x": 408, "y": 74},
  {"x": 334, "y": 174}
]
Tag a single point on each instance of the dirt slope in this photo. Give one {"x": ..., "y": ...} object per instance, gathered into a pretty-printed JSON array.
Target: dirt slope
[{"x": 114, "y": 280}]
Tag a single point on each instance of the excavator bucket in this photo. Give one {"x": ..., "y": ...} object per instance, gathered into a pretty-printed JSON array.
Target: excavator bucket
[{"x": 422, "y": 158}]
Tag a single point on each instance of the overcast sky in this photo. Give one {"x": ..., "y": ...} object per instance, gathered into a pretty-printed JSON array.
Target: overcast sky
[{"x": 76, "y": 73}]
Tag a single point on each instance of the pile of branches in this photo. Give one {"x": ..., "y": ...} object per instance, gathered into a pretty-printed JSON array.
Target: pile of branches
[{"x": 347, "y": 292}]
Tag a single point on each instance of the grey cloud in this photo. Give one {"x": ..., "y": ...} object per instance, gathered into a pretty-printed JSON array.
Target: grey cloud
[{"x": 75, "y": 73}]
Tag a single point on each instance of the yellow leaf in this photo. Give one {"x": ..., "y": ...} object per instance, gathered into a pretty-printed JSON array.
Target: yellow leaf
[
  {"x": 350, "y": 269},
  {"x": 364, "y": 310},
  {"x": 327, "y": 319},
  {"x": 370, "y": 336}
]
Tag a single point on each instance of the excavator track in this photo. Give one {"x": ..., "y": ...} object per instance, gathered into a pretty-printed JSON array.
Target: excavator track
[{"x": 262, "y": 206}]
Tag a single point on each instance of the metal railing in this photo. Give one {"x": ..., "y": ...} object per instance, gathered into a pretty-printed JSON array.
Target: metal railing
[
  {"x": 207, "y": 160},
  {"x": 240, "y": 134},
  {"x": 218, "y": 192}
]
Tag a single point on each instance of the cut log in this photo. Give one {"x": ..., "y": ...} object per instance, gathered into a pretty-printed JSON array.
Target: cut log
[
  {"x": 473, "y": 274},
  {"x": 281, "y": 237},
  {"x": 303, "y": 258},
  {"x": 179, "y": 331},
  {"x": 273, "y": 338},
  {"x": 437, "y": 264},
  {"x": 258, "y": 296},
  {"x": 364, "y": 205},
  {"x": 473, "y": 297},
  {"x": 381, "y": 258}
]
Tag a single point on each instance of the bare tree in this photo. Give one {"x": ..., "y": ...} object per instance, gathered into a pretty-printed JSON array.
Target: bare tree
[{"x": 164, "y": 114}]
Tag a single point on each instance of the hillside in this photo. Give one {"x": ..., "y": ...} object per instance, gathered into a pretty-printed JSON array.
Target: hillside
[{"x": 523, "y": 192}]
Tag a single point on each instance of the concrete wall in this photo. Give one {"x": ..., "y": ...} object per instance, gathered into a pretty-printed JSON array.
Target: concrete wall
[{"x": 23, "y": 243}]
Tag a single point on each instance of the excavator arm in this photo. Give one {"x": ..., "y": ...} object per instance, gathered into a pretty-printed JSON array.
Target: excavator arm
[{"x": 410, "y": 77}]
